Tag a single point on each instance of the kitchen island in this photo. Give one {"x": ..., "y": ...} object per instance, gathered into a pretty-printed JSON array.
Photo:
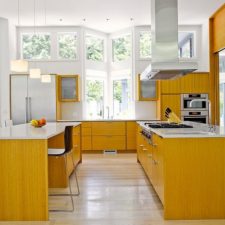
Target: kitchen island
[
  {"x": 186, "y": 167},
  {"x": 24, "y": 170}
]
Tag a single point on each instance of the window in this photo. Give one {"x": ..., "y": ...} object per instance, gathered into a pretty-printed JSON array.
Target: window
[
  {"x": 36, "y": 46},
  {"x": 122, "y": 106},
  {"x": 145, "y": 44},
  {"x": 121, "y": 48},
  {"x": 95, "y": 98},
  {"x": 94, "y": 48},
  {"x": 186, "y": 44},
  {"x": 222, "y": 87},
  {"x": 67, "y": 46}
]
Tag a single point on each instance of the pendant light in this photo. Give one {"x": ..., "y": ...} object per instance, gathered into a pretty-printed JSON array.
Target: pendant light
[
  {"x": 20, "y": 65},
  {"x": 46, "y": 78},
  {"x": 35, "y": 72}
]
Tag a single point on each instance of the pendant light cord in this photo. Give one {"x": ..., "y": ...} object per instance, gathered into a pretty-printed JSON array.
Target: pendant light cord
[{"x": 18, "y": 12}]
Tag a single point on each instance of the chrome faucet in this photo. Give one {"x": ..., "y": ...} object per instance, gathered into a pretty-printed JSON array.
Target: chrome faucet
[{"x": 211, "y": 127}]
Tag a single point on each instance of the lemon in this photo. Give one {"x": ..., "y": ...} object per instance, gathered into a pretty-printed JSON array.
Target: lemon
[{"x": 34, "y": 122}]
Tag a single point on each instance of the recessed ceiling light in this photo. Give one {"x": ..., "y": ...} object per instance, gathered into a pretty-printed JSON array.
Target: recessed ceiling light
[
  {"x": 60, "y": 19},
  {"x": 84, "y": 19},
  {"x": 107, "y": 19},
  {"x": 131, "y": 19}
]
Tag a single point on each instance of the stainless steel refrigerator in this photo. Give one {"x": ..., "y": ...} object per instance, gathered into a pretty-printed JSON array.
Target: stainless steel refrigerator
[{"x": 32, "y": 99}]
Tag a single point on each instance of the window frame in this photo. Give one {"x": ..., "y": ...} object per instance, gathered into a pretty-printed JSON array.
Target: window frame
[
  {"x": 117, "y": 77},
  {"x": 57, "y": 47},
  {"x": 32, "y": 33},
  {"x": 104, "y": 60},
  {"x": 95, "y": 78},
  {"x": 193, "y": 30},
  {"x": 112, "y": 49}
]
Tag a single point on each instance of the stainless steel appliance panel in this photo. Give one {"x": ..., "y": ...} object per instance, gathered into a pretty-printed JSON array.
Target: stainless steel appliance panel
[
  {"x": 42, "y": 99},
  {"x": 187, "y": 98},
  {"x": 19, "y": 99},
  {"x": 195, "y": 116},
  {"x": 30, "y": 98}
]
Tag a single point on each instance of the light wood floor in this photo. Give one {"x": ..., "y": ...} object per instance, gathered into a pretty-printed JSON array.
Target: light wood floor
[{"x": 114, "y": 191}]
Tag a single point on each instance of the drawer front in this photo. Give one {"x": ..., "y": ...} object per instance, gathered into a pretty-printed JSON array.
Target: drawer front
[
  {"x": 108, "y": 128},
  {"x": 86, "y": 124},
  {"x": 109, "y": 142},
  {"x": 86, "y": 131},
  {"x": 131, "y": 135},
  {"x": 131, "y": 142},
  {"x": 86, "y": 143}
]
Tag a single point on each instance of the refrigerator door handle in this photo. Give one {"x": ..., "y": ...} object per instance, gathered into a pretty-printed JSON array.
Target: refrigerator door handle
[
  {"x": 29, "y": 107},
  {"x": 26, "y": 105}
]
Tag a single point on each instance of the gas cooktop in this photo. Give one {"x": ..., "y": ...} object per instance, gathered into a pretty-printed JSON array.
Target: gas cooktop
[{"x": 167, "y": 125}]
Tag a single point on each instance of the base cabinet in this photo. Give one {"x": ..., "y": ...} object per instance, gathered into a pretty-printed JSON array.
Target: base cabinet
[
  {"x": 108, "y": 135},
  {"x": 186, "y": 173}
]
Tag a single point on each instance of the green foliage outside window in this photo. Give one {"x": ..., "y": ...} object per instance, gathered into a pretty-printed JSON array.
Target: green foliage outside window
[
  {"x": 121, "y": 48},
  {"x": 145, "y": 44},
  {"x": 67, "y": 44},
  {"x": 94, "y": 48},
  {"x": 94, "y": 90},
  {"x": 95, "y": 97},
  {"x": 117, "y": 91},
  {"x": 36, "y": 46}
]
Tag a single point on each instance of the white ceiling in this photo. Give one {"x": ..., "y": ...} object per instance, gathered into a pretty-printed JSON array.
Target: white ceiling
[{"x": 72, "y": 12}]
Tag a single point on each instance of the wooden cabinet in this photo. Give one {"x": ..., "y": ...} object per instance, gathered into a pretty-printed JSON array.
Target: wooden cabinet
[
  {"x": 86, "y": 135},
  {"x": 109, "y": 135},
  {"x": 109, "y": 142},
  {"x": 147, "y": 90},
  {"x": 103, "y": 135},
  {"x": 131, "y": 135},
  {"x": 77, "y": 144},
  {"x": 171, "y": 101},
  {"x": 191, "y": 83},
  {"x": 108, "y": 128},
  {"x": 150, "y": 155},
  {"x": 68, "y": 88}
]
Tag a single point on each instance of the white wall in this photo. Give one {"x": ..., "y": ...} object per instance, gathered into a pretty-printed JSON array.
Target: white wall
[
  {"x": 143, "y": 110},
  {"x": 4, "y": 70},
  {"x": 204, "y": 55}
]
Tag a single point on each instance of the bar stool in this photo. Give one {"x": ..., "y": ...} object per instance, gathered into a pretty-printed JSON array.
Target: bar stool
[{"x": 68, "y": 143}]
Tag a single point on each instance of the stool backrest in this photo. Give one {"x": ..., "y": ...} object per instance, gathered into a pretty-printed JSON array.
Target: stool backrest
[{"x": 68, "y": 138}]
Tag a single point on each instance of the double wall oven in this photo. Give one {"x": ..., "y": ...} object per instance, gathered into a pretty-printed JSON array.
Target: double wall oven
[{"x": 197, "y": 111}]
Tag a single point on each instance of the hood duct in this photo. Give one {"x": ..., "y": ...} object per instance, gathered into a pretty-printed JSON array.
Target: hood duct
[{"x": 165, "y": 60}]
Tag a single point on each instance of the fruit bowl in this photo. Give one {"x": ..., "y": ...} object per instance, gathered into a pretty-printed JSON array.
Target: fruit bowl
[{"x": 38, "y": 123}]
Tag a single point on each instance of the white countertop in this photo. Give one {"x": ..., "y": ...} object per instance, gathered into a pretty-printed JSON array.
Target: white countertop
[
  {"x": 26, "y": 131},
  {"x": 198, "y": 131}
]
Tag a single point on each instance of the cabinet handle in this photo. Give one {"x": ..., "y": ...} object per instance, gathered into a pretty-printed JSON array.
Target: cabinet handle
[
  {"x": 144, "y": 149},
  {"x": 141, "y": 145}
]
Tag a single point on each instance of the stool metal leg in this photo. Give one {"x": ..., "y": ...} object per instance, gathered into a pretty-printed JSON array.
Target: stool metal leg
[
  {"x": 75, "y": 173},
  {"x": 71, "y": 195}
]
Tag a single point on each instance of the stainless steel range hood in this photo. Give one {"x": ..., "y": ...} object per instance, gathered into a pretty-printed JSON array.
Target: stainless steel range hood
[{"x": 165, "y": 62}]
